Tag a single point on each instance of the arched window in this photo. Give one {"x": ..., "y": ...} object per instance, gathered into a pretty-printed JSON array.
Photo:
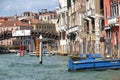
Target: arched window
[{"x": 116, "y": 40}]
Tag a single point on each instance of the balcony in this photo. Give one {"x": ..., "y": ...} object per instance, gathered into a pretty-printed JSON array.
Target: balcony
[
  {"x": 73, "y": 29},
  {"x": 62, "y": 10},
  {"x": 62, "y": 28},
  {"x": 90, "y": 13},
  {"x": 113, "y": 21}
]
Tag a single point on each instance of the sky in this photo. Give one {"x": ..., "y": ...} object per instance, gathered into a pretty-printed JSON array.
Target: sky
[{"x": 13, "y": 7}]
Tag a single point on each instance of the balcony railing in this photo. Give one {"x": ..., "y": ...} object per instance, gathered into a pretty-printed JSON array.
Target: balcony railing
[
  {"x": 62, "y": 27},
  {"x": 90, "y": 12},
  {"x": 113, "y": 20},
  {"x": 64, "y": 9},
  {"x": 73, "y": 28}
]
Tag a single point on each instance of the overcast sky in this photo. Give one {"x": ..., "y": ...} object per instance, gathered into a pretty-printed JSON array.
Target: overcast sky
[{"x": 12, "y": 7}]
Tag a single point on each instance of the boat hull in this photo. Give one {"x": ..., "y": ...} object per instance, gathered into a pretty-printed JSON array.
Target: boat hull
[{"x": 93, "y": 64}]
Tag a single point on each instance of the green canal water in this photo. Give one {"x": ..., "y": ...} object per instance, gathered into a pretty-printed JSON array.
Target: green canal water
[{"x": 13, "y": 67}]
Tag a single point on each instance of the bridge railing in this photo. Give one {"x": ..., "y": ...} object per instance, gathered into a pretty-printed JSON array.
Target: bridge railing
[{"x": 34, "y": 33}]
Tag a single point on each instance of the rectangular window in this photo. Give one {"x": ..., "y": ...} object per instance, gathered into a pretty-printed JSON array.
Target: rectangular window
[
  {"x": 101, "y": 4},
  {"x": 106, "y": 12},
  {"x": 102, "y": 24},
  {"x": 0, "y": 30},
  {"x": 114, "y": 10},
  {"x": 111, "y": 12},
  {"x": 87, "y": 27},
  {"x": 68, "y": 3},
  {"x": 60, "y": 35},
  {"x": 73, "y": 19},
  {"x": 93, "y": 25},
  {"x": 44, "y": 17},
  {"x": 108, "y": 33},
  {"x": 87, "y": 0},
  {"x": 41, "y": 18},
  {"x": 50, "y": 16},
  {"x": 93, "y": 4},
  {"x": 63, "y": 34},
  {"x": 63, "y": 15},
  {"x": 117, "y": 9}
]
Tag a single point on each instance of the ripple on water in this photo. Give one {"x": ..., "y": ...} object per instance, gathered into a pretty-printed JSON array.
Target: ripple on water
[{"x": 53, "y": 68}]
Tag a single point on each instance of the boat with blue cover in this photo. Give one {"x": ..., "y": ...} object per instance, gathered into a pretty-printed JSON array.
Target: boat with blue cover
[{"x": 92, "y": 61}]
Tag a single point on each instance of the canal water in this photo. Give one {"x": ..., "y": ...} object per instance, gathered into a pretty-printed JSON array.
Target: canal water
[{"x": 13, "y": 67}]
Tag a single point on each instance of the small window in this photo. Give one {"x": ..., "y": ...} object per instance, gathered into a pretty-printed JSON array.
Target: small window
[
  {"x": 44, "y": 17},
  {"x": 87, "y": 0},
  {"x": 51, "y": 16},
  {"x": 106, "y": 12},
  {"x": 101, "y": 4}
]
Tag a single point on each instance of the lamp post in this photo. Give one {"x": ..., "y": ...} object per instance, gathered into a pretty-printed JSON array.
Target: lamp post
[{"x": 40, "y": 57}]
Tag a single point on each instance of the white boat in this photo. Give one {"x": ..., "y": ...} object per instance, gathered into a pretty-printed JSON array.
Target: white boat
[
  {"x": 32, "y": 53},
  {"x": 18, "y": 54}
]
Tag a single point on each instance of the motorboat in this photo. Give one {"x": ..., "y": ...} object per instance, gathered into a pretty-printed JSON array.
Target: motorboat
[
  {"x": 92, "y": 61},
  {"x": 32, "y": 53},
  {"x": 4, "y": 51}
]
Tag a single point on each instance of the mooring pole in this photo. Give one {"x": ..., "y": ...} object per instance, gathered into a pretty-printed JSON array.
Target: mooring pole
[{"x": 40, "y": 56}]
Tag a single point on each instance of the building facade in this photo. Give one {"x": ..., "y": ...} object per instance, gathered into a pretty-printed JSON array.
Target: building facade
[
  {"x": 62, "y": 13},
  {"x": 49, "y": 16},
  {"x": 112, "y": 27},
  {"x": 15, "y": 42},
  {"x": 93, "y": 25},
  {"x": 75, "y": 32}
]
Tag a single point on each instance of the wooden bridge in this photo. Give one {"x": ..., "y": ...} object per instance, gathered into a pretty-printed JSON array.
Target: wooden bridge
[{"x": 33, "y": 33}]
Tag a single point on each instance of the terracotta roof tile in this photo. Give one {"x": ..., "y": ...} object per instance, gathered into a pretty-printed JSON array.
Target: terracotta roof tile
[
  {"x": 33, "y": 21},
  {"x": 13, "y": 23}
]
